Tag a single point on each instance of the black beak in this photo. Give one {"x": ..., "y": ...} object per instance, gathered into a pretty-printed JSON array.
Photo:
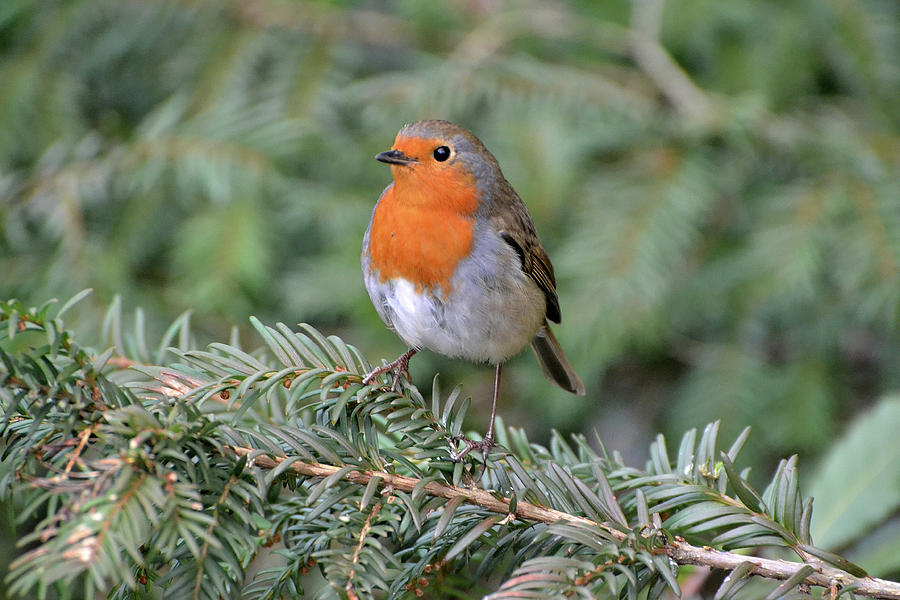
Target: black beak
[{"x": 394, "y": 157}]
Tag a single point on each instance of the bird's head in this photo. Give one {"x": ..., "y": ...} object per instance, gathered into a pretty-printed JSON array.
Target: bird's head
[{"x": 440, "y": 163}]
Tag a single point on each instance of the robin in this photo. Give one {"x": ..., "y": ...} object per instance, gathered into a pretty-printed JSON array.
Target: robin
[{"x": 453, "y": 264}]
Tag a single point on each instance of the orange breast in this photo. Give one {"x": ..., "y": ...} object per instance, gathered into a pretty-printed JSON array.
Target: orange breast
[{"x": 421, "y": 232}]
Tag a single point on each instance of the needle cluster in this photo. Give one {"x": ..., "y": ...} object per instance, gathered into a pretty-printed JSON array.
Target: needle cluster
[{"x": 138, "y": 480}]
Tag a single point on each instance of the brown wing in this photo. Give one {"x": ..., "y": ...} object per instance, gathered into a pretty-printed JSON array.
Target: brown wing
[{"x": 517, "y": 229}]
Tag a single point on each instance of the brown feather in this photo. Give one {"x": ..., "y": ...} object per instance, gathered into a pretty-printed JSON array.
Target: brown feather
[
  {"x": 515, "y": 226},
  {"x": 554, "y": 364}
]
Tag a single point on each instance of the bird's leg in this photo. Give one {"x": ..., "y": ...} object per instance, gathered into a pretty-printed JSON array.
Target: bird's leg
[
  {"x": 399, "y": 366},
  {"x": 487, "y": 442}
]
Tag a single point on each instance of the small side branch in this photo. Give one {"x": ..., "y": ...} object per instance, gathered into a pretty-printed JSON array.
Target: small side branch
[
  {"x": 678, "y": 550},
  {"x": 660, "y": 67},
  {"x": 351, "y": 592}
]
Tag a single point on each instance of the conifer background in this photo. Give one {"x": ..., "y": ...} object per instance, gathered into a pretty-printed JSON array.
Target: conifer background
[{"x": 717, "y": 184}]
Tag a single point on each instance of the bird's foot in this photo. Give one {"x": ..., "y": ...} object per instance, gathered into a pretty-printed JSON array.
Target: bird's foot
[
  {"x": 400, "y": 367},
  {"x": 484, "y": 445}
]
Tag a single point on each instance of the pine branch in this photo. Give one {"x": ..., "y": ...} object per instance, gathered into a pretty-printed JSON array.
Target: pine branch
[
  {"x": 200, "y": 463},
  {"x": 677, "y": 549},
  {"x": 473, "y": 495}
]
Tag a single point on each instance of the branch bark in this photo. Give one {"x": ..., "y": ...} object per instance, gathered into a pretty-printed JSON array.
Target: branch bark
[{"x": 678, "y": 550}]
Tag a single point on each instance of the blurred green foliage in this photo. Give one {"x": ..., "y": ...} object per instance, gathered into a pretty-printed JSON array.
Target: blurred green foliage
[{"x": 717, "y": 183}]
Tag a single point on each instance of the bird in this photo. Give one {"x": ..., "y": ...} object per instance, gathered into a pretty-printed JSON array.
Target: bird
[{"x": 452, "y": 263}]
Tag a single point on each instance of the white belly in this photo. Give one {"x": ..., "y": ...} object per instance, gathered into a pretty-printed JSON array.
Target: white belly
[
  {"x": 485, "y": 318},
  {"x": 485, "y": 327}
]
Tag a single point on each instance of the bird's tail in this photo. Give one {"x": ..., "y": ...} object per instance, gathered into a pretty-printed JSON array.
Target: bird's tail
[{"x": 554, "y": 363}]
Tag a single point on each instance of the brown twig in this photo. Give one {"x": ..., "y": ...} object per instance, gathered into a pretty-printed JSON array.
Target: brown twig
[
  {"x": 351, "y": 592},
  {"x": 678, "y": 550},
  {"x": 76, "y": 455}
]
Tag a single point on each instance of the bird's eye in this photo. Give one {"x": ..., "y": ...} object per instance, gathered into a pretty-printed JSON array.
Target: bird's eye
[{"x": 441, "y": 153}]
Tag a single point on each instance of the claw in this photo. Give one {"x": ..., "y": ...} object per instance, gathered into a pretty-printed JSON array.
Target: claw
[
  {"x": 484, "y": 445},
  {"x": 487, "y": 443},
  {"x": 400, "y": 367}
]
